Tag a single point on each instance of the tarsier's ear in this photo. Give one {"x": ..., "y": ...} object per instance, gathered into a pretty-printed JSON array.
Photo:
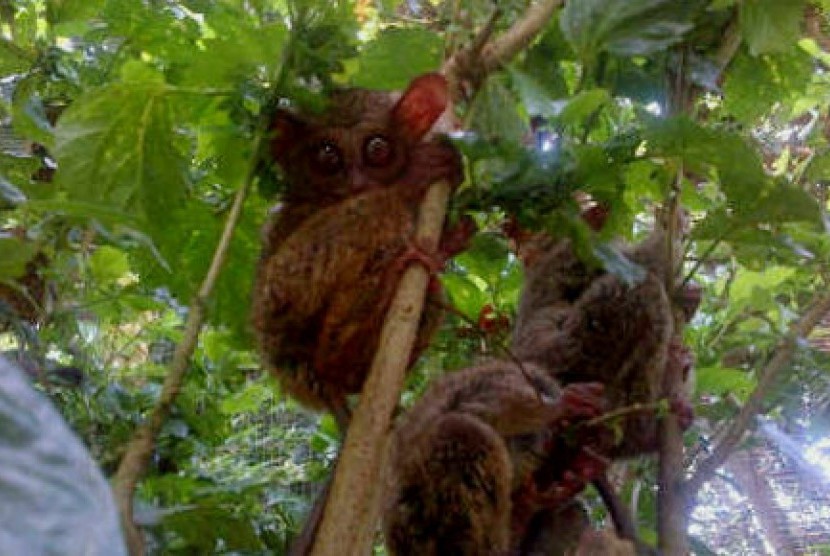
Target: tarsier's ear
[
  {"x": 285, "y": 131},
  {"x": 421, "y": 105}
]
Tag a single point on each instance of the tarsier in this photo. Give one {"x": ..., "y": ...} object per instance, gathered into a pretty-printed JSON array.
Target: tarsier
[
  {"x": 575, "y": 325},
  {"x": 335, "y": 250},
  {"x": 463, "y": 455},
  {"x": 586, "y": 325}
]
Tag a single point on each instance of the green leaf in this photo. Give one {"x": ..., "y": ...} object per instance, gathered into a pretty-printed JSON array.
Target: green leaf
[
  {"x": 494, "y": 113},
  {"x": 467, "y": 294},
  {"x": 742, "y": 177},
  {"x": 116, "y": 146},
  {"x": 234, "y": 49},
  {"x": 754, "y": 85},
  {"x": 485, "y": 258},
  {"x": 722, "y": 380},
  {"x": 16, "y": 253},
  {"x": 626, "y": 27},
  {"x": 532, "y": 93},
  {"x": 13, "y": 58},
  {"x": 583, "y": 106},
  {"x": 786, "y": 203},
  {"x": 819, "y": 168},
  {"x": 771, "y": 25},
  {"x": 758, "y": 289},
  {"x": 552, "y": 77},
  {"x": 396, "y": 56},
  {"x": 108, "y": 264},
  {"x": 252, "y": 398},
  {"x": 66, "y": 11}
]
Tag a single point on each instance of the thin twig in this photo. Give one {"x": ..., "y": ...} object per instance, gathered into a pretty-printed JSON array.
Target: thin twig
[
  {"x": 500, "y": 344},
  {"x": 137, "y": 456},
  {"x": 768, "y": 375},
  {"x": 519, "y": 36},
  {"x": 621, "y": 412}
]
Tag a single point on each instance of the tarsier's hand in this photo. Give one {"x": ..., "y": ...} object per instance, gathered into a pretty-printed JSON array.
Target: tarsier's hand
[{"x": 581, "y": 400}]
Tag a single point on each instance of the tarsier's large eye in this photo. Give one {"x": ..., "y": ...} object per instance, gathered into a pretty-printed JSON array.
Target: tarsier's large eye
[
  {"x": 378, "y": 151},
  {"x": 327, "y": 158}
]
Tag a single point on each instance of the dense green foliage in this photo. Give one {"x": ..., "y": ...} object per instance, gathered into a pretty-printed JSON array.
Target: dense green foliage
[{"x": 154, "y": 112}]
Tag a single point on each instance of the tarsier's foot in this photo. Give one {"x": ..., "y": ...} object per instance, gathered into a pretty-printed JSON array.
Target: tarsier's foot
[
  {"x": 683, "y": 410},
  {"x": 414, "y": 253}
]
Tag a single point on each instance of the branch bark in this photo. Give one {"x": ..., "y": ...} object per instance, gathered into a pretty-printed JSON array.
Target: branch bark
[
  {"x": 479, "y": 60},
  {"x": 519, "y": 36},
  {"x": 137, "y": 456},
  {"x": 672, "y": 524},
  {"x": 351, "y": 513},
  {"x": 769, "y": 374},
  {"x": 812, "y": 27}
]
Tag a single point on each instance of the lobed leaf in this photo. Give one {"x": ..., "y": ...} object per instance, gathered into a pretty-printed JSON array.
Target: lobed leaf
[{"x": 116, "y": 146}]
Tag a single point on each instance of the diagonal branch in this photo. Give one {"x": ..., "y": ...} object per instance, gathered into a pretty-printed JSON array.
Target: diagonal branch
[
  {"x": 351, "y": 513},
  {"x": 519, "y": 36},
  {"x": 137, "y": 456},
  {"x": 769, "y": 374}
]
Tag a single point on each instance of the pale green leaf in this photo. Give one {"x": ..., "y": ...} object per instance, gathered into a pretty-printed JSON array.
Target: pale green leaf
[
  {"x": 108, "y": 265},
  {"x": 116, "y": 146},
  {"x": 771, "y": 25},
  {"x": 396, "y": 56}
]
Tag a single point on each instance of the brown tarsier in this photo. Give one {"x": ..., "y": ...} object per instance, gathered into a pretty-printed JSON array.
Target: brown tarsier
[
  {"x": 464, "y": 456},
  {"x": 479, "y": 464},
  {"x": 335, "y": 250},
  {"x": 586, "y": 325}
]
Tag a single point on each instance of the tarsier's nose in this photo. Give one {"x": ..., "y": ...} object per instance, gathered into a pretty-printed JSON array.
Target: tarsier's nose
[{"x": 360, "y": 181}]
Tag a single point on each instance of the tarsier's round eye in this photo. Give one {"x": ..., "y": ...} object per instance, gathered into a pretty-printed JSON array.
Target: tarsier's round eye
[
  {"x": 327, "y": 158},
  {"x": 378, "y": 151}
]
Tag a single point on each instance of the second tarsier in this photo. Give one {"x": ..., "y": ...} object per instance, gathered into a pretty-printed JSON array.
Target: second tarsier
[{"x": 483, "y": 465}]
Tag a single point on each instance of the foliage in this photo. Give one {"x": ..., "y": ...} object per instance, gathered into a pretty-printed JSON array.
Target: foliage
[{"x": 151, "y": 111}]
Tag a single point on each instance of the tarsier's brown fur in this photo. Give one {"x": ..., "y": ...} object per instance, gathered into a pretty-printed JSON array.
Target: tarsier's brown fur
[
  {"x": 465, "y": 449},
  {"x": 590, "y": 326},
  {"x": 575, "y": 325},
  {"x": 333, "y": 252}
]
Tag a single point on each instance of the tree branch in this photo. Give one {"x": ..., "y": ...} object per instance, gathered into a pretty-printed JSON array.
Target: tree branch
[
  {"x": 729, "y": 46},
  {"x": 519, "y": 36},
  {"x": 137, "y": 456},
  {"x": 744, "y": 420},
  {"x": 672, "y": 524},
  {"x": 812, "y": 27},
  {"x": 351, "y": 513},
  {"x": 480, "y": 59}
]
